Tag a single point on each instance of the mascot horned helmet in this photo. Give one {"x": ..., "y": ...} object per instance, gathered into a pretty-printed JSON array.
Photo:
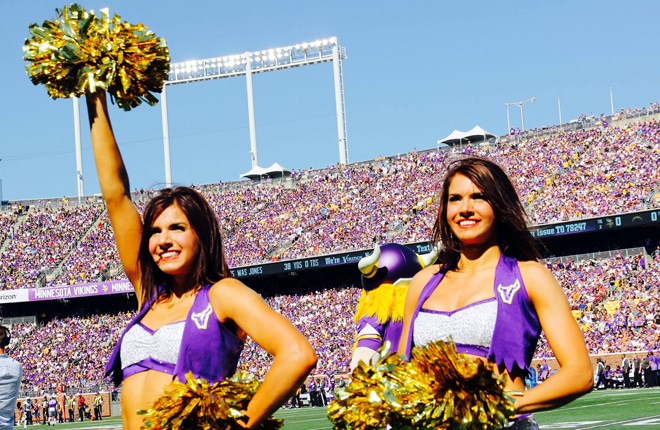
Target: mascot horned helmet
[{"x": 392, "y": 262}]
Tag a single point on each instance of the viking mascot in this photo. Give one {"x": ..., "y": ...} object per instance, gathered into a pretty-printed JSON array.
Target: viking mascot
[{"x": 386, "y": 274}]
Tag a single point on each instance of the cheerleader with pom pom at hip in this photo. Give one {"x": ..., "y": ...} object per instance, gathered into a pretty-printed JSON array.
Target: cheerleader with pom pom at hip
[
  {"x": 490, "y": 295},
  {"x": 197, "y": 314}
]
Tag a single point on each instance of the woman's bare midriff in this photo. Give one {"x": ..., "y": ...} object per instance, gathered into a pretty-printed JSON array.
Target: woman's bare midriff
[
  {"x": 513, "y": 383},
  {"x": 145, "y": 388}
]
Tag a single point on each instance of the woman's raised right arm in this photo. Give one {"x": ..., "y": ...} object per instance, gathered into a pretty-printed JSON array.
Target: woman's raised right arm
[{"x": 115, "y": 188}]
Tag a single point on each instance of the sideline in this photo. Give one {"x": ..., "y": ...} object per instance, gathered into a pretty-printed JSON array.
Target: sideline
[{"x": 642, "y": 420}]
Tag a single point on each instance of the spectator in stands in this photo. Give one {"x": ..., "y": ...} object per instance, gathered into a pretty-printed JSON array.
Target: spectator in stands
[
  {"x": 175, "y": 261},
  {"x": 487, "y": 250}
]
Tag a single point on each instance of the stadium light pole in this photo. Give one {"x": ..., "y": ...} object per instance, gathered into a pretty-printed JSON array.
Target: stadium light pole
[
  {"x": 559, "y": 109},
  {"x": 520, "y": 104},
  {"x": 76, "y": 132},
  {"x": 249, "y": 63},
  {"x": 251, "y": 120},
  {"x": 166, "y": 139}
]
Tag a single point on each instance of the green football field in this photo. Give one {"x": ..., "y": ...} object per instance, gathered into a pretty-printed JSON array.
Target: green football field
[{"x": 633, "y": 409}]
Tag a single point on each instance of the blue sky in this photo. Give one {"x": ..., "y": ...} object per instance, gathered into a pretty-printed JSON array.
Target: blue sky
[{"x": 416, "y": 70}]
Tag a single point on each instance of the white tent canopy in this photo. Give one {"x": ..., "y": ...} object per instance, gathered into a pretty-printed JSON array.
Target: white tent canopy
[
  {"x": 254, "y": 173},
  {"x": 273, "y": 171},
  {"x": 477, "y": 134},
  {"x": 277, "y": 171}
]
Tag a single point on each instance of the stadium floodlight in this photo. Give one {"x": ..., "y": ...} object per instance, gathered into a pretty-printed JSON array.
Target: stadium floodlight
[
  {"x": 267, "y": 60},
  {"x": 520, "y": 104},
  {"x": 249, "y": 63}
]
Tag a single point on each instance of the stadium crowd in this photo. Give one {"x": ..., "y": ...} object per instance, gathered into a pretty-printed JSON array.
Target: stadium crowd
[
  {"x": 615, "y": 301},
  {"x": 561, "y": 175}
]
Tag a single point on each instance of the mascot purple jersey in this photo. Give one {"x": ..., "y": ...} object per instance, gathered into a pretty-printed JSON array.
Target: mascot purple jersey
[{"x": 386, "y": 274}]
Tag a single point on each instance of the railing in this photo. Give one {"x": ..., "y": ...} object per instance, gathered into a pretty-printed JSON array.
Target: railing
[
  {"x": 32, "y": 319},
  {"x": 629, "y": 252}
]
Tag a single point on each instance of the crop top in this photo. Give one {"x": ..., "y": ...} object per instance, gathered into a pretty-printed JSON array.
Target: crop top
[
  {"x": 517, "y": 328},
  {"x": 470, "y": 327},
  {"x": 207, "y": 348},
  {"x": 146, "y": 349}
]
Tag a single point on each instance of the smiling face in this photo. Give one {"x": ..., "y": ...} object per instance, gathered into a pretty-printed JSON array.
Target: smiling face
[
  {"x": 469, "y": 215},
  {"x": 173, "y": 244}
]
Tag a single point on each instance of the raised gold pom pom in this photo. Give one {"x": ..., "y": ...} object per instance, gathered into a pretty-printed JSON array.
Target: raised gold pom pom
[{"x": 81, "y": 52}]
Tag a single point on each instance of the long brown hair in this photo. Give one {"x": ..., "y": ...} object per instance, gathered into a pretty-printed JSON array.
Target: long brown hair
[
  {"x": 210, "y": 265},
  {"x": 514, "y": 238}
]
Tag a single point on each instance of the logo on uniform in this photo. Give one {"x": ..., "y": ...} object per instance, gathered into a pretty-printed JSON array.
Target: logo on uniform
[
  {"x": 508, "y": 292},
  {"x": 201, "y": 319}
]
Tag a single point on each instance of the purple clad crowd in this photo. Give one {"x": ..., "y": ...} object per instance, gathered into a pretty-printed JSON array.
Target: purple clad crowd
[
  {"x": 68, "y": 352},
  {"x": 325, "y": 317},
  {"x": 41, "y": 239},
  {"x": 615, "y": 301},
  {"x": 560, "y": 175}
]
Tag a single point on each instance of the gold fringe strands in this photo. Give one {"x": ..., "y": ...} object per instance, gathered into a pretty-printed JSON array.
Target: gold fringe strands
[
  {"x": 200, "y": 405},
  {"x": 464, "y": 393},
  {"x": 437, "y": 389},
  {"x": 80, "y": 52},
  {"x": 376, "y": 396}
]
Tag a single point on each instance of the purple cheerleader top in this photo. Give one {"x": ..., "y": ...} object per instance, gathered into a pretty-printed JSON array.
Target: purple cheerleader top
[
  {"x": 517, "y": 328},
  {"x": 208, "y": 348}
]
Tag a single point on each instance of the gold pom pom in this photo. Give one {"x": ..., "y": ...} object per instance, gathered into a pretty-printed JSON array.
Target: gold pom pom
[
  {"x": 463, "y": 392},
  {"x": 378, "y": 395},
  {"x": 199, "y": 405},
  {"x": 437, "y": 389},
  {"x": 80, "y": 52}
]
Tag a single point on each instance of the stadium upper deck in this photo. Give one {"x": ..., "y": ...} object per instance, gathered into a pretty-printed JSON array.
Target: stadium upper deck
[{"x": 559, "y": 174}]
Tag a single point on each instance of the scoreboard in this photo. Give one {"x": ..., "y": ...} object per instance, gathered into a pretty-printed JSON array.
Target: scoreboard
[
  {"x": 610, "y": 222},
  {"x": 633, "y": 219}
]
